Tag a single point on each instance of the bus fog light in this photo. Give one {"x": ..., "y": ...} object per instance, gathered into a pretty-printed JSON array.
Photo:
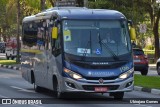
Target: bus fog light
[
  {"x": 129, "y": 84},
  {"x": 70, "y": 84}
]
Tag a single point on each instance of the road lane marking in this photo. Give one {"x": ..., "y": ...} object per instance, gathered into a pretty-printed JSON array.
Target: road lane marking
[
  {"x": 36, "y": 105},
  {"x": 3, "y": 96},
  {"x": 6, "y": 77},
  {"x": 22, "y": 89},
  {"x": 142, "y": 105},
  {"x": 28, "y": 91}
]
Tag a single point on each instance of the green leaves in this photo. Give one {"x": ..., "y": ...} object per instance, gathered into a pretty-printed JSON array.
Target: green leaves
[{"x": 8, "y": 13}]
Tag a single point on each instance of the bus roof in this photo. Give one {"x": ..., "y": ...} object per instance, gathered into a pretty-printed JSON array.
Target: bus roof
[{"x": 76, "y": 13}]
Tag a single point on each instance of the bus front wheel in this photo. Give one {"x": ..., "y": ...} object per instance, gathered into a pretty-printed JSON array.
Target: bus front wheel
[
  {"x": 59, "y": 94},
  {"x": 117, "y": 95},
  {"x": 56, "y": 89}
]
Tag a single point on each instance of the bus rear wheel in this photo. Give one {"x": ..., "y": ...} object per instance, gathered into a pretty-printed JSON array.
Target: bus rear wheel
[{"x": 36, "y": 87}]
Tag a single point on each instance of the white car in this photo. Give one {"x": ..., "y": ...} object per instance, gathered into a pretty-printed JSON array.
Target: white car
[{"x": 11, "y": 53}]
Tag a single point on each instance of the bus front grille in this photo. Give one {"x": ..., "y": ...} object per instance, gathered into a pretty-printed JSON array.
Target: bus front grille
[
  {"x": 104, "y": 78},
  {"x": 92, "y": 87}
]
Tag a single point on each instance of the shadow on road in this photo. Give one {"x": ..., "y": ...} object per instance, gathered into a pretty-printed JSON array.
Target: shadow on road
[{"x": 79, "y": 98}]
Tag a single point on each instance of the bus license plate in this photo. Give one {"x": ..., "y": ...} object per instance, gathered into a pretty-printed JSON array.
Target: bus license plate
[{"x": 101, "y": 89}]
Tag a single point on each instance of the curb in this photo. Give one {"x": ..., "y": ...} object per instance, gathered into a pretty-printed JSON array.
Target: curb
[
  {"x": 10, "y": 67},
  {"x": 149, "y": 90}
]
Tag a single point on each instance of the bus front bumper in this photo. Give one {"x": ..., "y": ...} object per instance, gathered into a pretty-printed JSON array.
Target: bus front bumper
[{"x": 71, "y": 85}]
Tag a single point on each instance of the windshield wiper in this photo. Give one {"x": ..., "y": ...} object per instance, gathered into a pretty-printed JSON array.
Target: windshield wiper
[
  {"x": 107, "y": 48},
  {"x": 85, "y": 49}
]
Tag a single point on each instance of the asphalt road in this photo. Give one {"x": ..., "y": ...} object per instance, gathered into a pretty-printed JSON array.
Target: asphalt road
[
  {"x": 12, "y": 85},
  {"x": 150, "y": 72}
]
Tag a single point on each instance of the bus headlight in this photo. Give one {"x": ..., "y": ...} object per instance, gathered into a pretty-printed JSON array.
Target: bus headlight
[
  {"x": 72, "y": 74},
  {"x": 126, "y": 74}
]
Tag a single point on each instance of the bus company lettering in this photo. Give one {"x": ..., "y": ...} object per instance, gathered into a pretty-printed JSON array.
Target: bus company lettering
[
  {"x": 100, "y": 63},
  {"x": 101, "y": 73}
]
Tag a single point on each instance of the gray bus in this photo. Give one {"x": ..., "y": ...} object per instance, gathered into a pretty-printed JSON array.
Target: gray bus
[{"x": 74, "y": 49}]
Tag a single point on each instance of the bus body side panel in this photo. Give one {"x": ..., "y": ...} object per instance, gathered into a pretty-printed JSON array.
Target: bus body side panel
[
  {"x": 55, "y": 69},
  {"x": 26, "y": 65},
  {"x": 40, "y": 69}
]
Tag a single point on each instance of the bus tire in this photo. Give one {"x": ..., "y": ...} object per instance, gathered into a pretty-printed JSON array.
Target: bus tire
[
  {"x": 56, "y": 88},
  {"x": 36, "y": 87},
  {"x": 118, "y": 95},
  {"x": 59, "y": 94}
]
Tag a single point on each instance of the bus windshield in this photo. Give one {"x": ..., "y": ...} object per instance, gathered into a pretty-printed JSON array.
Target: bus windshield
[{"x": 96, "y": 38}]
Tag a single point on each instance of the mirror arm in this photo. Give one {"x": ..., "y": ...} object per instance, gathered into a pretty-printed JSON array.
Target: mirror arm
[{"x": 130, "y": 22}]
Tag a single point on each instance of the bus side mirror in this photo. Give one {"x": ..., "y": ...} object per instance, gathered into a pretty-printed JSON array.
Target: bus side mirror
[
  {"x": 132, "y": 30},
  {"x": 54, "y": 33},
  {"x": 133, "y": 33}
]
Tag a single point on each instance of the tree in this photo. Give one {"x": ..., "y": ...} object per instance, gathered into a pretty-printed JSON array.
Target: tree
[
  {"x": 18, "y": 30},
  {"x": 80, "y": 3},
  {"x": 4, "y": 18},
  {"x": 52, "y": 2},
  {"x": 153, "y": 10},
  {"x": 155, "y": 18}
]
